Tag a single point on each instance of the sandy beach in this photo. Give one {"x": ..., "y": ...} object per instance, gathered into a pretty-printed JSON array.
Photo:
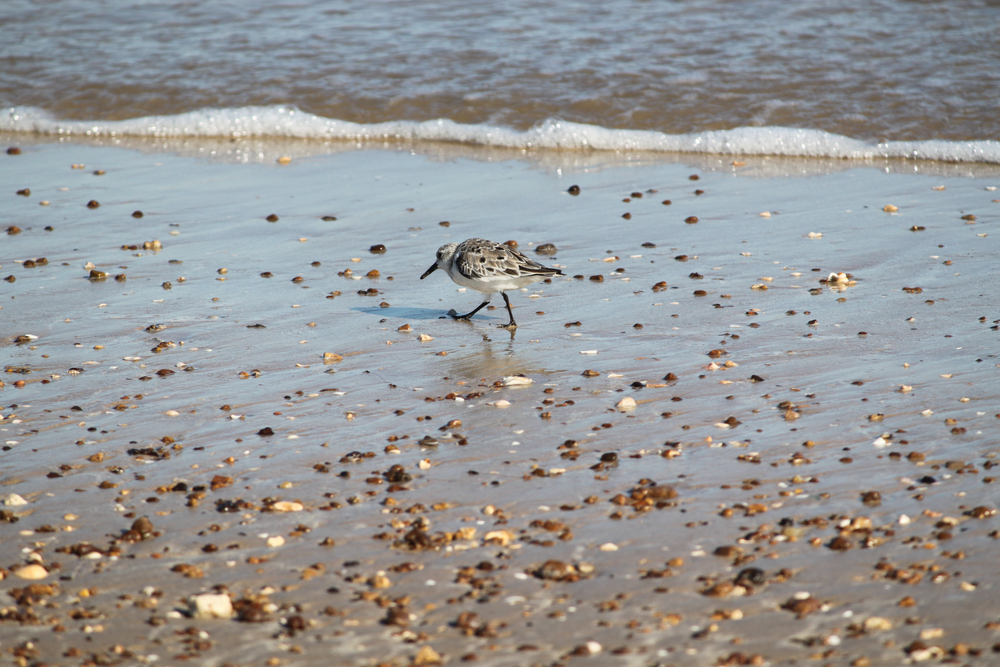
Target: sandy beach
[{"x": 760, "y": 427}]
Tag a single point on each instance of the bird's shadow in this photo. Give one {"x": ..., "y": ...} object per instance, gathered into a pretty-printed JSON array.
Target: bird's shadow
[{"x": 410, "y": 313}]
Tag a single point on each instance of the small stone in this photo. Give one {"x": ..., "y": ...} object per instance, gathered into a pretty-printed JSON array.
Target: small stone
[
  {"x": 555, "y": 570},
  {"x": 872, "y": 498},
  {"x": 142, "y": 527},
  {"x": 427, "y": 656}
]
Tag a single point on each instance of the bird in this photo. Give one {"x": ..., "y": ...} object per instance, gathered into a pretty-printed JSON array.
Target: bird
[{"x": 488, "y": 267}]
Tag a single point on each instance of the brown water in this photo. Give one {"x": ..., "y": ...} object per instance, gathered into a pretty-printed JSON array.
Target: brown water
[{"x": 893, "y": 70}]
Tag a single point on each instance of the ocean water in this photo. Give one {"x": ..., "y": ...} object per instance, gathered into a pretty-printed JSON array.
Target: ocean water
[{"x": 891, "y": 78}]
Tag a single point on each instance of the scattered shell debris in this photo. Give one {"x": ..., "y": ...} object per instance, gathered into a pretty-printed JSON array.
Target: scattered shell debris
[{"x": 793, "y": 473}]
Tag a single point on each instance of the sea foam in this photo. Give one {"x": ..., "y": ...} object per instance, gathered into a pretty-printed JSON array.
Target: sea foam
[{"x": 289, "y": 122}]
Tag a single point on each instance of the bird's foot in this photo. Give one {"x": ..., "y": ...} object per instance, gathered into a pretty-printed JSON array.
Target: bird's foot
[
  {"x": 455, "y": 316},
  {"x": 508, "y": 327}
]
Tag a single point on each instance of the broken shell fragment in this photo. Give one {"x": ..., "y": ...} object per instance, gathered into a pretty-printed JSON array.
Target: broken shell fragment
[
  {"x": 210, "y": 605},
  {"x": 31, "y": 572},
  {"x": 13, "y": 500},
  {"x": 287, "y": 506},
  {"x": 627, "y": 403},
  {"x": 517, "y": 381}
]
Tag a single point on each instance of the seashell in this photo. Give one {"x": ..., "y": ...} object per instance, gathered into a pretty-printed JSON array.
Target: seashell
[
  {"x": 31, "y": 572},
  {"x": 210, "y": 605},
  {"x": 627, "y": 403},
  {"x": 287, "y": 506}
]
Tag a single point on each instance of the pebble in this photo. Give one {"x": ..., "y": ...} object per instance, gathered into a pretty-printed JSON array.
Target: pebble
[{"x": 427, "y": 656}]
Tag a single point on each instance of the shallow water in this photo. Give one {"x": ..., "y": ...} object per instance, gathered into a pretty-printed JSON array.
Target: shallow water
[
  {"x": 771, "y": 470},
  {"x": 891, "y": 71}
]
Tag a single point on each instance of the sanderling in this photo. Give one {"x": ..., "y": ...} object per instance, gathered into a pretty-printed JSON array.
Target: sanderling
[{"x": 488, "y": 267}]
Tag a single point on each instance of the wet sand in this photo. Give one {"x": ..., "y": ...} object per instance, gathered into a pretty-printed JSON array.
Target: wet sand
[{"x": 730, "y": 517}]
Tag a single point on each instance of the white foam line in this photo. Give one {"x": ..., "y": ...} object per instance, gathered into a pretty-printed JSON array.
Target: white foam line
[{"x": 289, "y": 122}]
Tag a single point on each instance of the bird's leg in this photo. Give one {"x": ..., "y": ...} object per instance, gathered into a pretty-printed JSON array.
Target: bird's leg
[
  {"x": 512, "y": 324},
  {"x": 456, "y": 316}
]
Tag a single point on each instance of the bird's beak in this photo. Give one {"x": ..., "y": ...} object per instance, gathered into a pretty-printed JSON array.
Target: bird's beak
[{"x": 429, "y": 271}]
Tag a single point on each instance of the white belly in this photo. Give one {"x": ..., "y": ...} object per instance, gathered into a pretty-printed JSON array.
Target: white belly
[{"x": 494, "y": 284}]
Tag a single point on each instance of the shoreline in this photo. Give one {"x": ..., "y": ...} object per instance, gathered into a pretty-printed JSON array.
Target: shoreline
[{"x": 287, "y": 125}]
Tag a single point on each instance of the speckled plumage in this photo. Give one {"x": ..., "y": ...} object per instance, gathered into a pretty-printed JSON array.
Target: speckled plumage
[{"x": 488, "y": 267}]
